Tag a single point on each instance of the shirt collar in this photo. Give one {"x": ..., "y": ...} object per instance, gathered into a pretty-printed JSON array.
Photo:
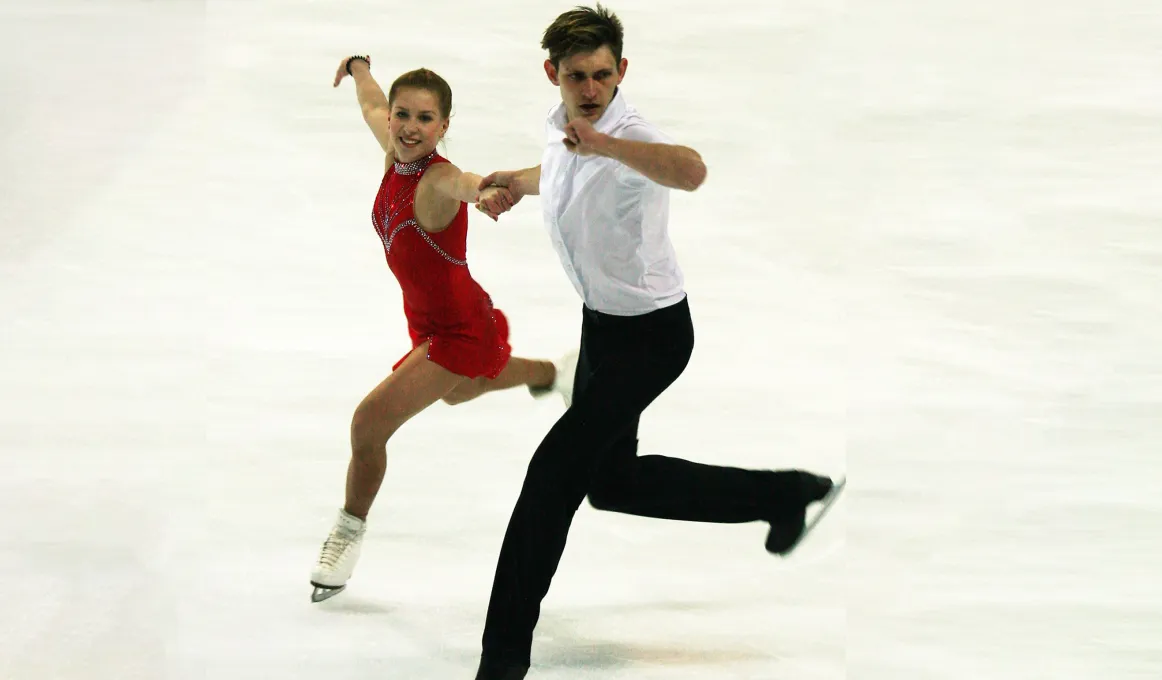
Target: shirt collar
[{"x": 609, "y": 118}]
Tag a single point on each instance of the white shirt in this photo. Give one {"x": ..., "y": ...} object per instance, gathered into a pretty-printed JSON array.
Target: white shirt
[{"x": 609, "y": 223}]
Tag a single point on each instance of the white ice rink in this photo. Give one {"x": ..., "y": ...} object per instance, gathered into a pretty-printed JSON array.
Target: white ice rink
[{"x": 929, "y": 254}]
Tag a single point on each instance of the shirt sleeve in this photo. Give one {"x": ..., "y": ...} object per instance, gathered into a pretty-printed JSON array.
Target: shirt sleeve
[
  {"x": 642, "y": 132},
  {"x": 639, "y": 132}
]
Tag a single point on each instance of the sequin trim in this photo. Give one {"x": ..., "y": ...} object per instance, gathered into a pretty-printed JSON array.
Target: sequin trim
[
  {"x": 415, "y": 167},
  {"x": 390, "y": 238},
  {"x": 424, "y": 235},
  {"x": 387, "y": 241}
]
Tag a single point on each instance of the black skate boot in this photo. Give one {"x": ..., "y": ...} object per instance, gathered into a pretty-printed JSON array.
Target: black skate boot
[{"x": 789, "y": 529}]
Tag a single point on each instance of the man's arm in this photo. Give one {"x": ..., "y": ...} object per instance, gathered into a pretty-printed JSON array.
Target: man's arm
[
  {"x": 671, "y": 165},
  {"x": 520, "y": 183},
  {"x": 517, "y": 183}
]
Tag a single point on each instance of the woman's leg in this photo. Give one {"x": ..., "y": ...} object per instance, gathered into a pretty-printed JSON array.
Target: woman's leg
[
  {"x": 535, "y": 373},
  {"x": 411, "y": 388}
]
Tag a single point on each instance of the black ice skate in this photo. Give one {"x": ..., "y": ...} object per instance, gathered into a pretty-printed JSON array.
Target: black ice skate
[{"x": 788, "y": 532}]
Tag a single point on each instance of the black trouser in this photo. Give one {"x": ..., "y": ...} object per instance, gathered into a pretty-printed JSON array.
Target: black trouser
[{"x": 625, "y": 363}]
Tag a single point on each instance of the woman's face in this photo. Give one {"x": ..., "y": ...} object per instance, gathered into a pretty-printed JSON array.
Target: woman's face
[{"x": 416, "y": 124}]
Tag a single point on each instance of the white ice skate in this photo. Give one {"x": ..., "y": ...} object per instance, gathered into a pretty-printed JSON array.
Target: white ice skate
[
  {"x": 338, "y": 557},
  {"x": 563, "y": 384}
]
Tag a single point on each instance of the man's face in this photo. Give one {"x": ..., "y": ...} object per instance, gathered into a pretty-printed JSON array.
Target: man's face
[{"x": 587, "y": 81}]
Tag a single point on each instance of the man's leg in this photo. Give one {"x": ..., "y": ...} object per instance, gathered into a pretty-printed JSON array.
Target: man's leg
[
  {"x": 671, "y": 488},
  {"x": 624, "y": 365},
  {"x": 608, "y": 396}
]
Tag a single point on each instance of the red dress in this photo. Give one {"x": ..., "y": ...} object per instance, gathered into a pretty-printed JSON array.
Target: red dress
[{"x": 441, "y": 300}]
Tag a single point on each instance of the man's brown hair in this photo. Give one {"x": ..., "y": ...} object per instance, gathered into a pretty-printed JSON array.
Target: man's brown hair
[{"x": 583, "y": 29}]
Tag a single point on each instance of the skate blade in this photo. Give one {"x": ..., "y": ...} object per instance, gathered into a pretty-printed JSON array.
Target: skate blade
[
  {"x": 827, "y": 502},
  {"x": 321, "y": 593}
]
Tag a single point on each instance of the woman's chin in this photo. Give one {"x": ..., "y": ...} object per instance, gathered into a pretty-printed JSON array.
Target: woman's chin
[{"x": 408, "y": 154}]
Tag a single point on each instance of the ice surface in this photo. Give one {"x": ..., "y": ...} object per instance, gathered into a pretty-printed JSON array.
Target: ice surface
[{"x": 928, "y": 254}]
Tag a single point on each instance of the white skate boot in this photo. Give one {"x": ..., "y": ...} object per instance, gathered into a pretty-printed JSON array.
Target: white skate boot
[
  {"x": 563, "y": 384},
  {"x": 338, "y": 557}
]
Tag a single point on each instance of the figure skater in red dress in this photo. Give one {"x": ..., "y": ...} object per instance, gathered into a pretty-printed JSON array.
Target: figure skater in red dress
[{"x": 460, "y": 346}]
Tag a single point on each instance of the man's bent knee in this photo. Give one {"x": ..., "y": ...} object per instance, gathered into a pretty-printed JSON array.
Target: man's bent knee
[
  {"x": 606, "y": 498},
  {"x": 612, "y": 487}
]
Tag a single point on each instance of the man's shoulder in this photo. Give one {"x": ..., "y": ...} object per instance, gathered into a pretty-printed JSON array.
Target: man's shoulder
[
  {"x": 635, "y": 127},
  {"x": 632, "y": 125}
]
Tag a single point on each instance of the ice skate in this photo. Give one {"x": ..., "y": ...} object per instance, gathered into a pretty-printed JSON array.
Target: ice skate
[
  {"x": 563, "y": 384},
  {"x": 338, "y": 557},
  {"x": 788, "y": 533}
]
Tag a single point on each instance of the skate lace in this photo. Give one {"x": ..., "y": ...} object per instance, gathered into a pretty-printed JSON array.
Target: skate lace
[{"x": 334, "y": 548}]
